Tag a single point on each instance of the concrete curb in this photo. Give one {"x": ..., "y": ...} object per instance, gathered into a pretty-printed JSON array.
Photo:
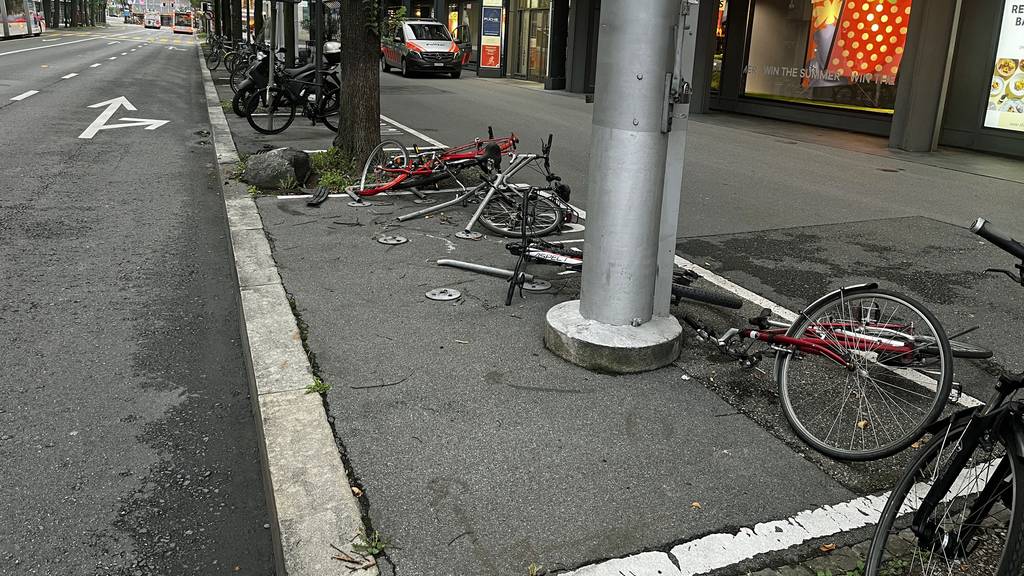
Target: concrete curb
[{"x": 307, "y": 488}]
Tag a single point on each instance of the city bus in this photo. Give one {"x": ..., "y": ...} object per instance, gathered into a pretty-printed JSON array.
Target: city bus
[
  {"x": 183, "y": 22},
  {"x": 18, "y": 18}
]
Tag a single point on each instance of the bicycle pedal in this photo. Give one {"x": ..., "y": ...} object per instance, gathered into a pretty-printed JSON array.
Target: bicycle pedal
[{"x": 956, "y": 392}]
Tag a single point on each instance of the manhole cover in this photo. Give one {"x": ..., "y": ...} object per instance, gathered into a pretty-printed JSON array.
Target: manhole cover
[
  {"x": 392, "y": 240},
  {"x": 444, "y": 294},
  {"x": 536, "y": 285}
]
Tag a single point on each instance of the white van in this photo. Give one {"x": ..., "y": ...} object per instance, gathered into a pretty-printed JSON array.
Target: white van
[{"x": 152, "y": 20}]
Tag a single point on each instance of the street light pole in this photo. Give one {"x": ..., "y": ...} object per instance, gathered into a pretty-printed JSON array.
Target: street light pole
[{"x": 613, "y": 327}]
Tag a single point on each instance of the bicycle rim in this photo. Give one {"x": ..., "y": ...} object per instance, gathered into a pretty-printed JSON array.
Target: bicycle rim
[
  {"x": 504, "y": 215},
  {"x": 330, "y": 106},
  {"x": 974, "y": 530},
  {"x": 386, "y": 166},
  {"x": 270, "y": 114},
  {"x": 882, "y": 400}
]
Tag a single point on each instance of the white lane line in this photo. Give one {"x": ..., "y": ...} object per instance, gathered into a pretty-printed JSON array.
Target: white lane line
[
  {"x": 112, "y": 58},
  {"x": 114, "y": 42},
  {"x": 24, "y": 95},
  {"x": 132, "y": 50},
  {"x": 66, "y": 76},
  {"x": 124, "y": 53},
  {"x": 47, "y": 46},
  {"x": 95, "y": 65},
  {"x": 727, "y": 549},
  {"x": 419, "y": 135}
]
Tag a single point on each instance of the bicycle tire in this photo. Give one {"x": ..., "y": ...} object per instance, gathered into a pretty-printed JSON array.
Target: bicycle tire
[
  {"x": 330, "y": 107},
  {"x": 240, "y": 101},
  {"x": 869, "y": 376},
  {"x": 214, "y": 62},
  {"x": 881, "y": 560},
  {"x": 269, "y": 108},
  {"x": 237, "y": 78},
  {"x": 230, "y": 60},
  {"x": 382, "y": 170},
  {"x": 706, "y": 296},
  {"x": 503, "y": 215}
]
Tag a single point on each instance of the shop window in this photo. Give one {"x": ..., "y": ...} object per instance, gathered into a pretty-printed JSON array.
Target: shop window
[
  {"x": 841, "y": 53},
  {"x": 1006, "y": 92},
  {"x": 721, "y": 30}
]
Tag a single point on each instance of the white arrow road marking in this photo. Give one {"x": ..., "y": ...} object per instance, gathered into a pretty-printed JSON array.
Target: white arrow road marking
[
  {"x": 112, "y": 105},
  {"x": 24, "y": 95},
  {"x": 149, "y": 123},
  {"x": 66, "y": 76}
]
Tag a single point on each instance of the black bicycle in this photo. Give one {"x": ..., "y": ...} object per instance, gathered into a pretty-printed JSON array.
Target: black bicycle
[{"x": 959, "y": 508}]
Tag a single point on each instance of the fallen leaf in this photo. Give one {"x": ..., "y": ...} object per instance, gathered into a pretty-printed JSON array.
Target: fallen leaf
[
  {"x": 357, "y": 492},
  {"x": 827, "y": 547},
  {"x": 695, "y": 505},
  {"x": 863, "y": 424}
]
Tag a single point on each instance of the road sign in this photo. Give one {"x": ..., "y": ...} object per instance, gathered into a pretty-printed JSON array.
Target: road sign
[{"x": 100, "y": 123}]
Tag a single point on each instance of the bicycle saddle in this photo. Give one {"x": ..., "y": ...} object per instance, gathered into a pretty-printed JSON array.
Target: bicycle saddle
[{"x": 300, "y": 70}]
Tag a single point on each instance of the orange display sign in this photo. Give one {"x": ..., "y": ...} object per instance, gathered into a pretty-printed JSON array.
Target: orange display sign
[
  {"x": 490, "y": 56},
  {"x": 870, "y": 40}
]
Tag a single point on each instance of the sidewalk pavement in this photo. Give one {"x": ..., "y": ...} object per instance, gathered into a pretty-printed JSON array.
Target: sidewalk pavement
[{"x": 478, "y": 452}]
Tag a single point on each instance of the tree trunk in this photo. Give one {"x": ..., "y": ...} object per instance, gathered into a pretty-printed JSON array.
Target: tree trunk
[
  {"x": 236, "y": 23},
  {"x": 359, "y": 121},
  {"x": 289, "y": 34}
]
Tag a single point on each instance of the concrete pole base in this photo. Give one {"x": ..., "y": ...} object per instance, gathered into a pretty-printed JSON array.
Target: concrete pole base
[{"x": 612, "y": 349}]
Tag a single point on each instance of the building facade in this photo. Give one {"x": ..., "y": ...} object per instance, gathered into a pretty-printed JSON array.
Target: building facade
[{"x": 922, "y": 72}]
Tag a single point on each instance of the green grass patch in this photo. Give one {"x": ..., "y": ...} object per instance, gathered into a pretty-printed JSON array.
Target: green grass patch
[
  {"x": 318, "y": 386},
  {"x": 335, "y": 170}
]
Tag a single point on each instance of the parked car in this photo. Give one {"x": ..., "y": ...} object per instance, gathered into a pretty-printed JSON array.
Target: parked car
[{"x": 421, "y": 46}]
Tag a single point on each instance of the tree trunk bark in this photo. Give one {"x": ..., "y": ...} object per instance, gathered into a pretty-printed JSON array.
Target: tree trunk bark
[
  {"x": 257, "y": 9},
  {"x": 359, "y": 121},
  {"x": 236, "y": 23},
  {"x": 289, "y": 34}
]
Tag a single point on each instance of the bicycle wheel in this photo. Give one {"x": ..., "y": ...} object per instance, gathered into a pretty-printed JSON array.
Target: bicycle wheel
[
  {"x": 976, "y": 527},
  {"x": 385, "y": 168},
  {"x": 237, "y": 77},
  {"x": 240, "y": 102},
  {"x": 865, "y": 391},
  {"x": 230, "y": 61},
  {"x": 214, "y": 60},
  {"x": 270, "y": 114},
  {"x": 330, "y": 107},
  {"x": 503, "y": 215}
]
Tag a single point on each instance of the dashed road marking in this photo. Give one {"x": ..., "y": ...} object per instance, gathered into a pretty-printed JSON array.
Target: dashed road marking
[
  {"x": 24, "y": 95},
  {"x": 66, "y": 76},
  {"x": 96, "y": 65},
  {"x": 112, "y": 58}
]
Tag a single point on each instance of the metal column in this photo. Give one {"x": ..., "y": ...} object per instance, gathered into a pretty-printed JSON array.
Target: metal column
[{"x": 627, "y": 168}]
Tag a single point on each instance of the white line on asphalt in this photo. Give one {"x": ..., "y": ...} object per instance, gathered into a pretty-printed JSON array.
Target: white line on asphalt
[
  {"x": 727, "y": 549},
  {"x": 112, "y": 58},
  {"x": 114, "y": 42},
  {"x": 132, "y": 50},
  {"x": 95, "y": 65},
  {"x": 66, "y": 76},
  {"x": 124, "y": 53},
  {"x": 24, "y": 95},
  {"x": 47, "y": 46},
  {"x": 419, "y": 135}
]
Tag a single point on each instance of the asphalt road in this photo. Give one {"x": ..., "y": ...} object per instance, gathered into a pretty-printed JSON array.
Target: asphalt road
[{"x": 126, "y": 436}]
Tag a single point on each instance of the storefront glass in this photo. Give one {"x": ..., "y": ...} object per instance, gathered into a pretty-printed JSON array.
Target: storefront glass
[
  {"x": 1006, "y": 93},
  {"x": 532, "y": 39},
  {"x": 839, "y": 53},
  {"x": 721, "y": 29}
]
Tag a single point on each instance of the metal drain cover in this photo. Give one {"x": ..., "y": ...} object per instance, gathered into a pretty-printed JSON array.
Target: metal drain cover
[
  {"x": 392, "y": 240},
  {"x": 536, "y": 285},
  {"x": 468, "y": 235},
  {"x": 444, "y": 294}
]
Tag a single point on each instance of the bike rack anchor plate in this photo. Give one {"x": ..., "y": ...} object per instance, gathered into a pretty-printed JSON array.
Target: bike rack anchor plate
[
  {"x": 392, "y": 240},
  {"x": 468, "y": 235},
  {"x": 444, "y": 294},
  {"x": 536, "y": 285}
]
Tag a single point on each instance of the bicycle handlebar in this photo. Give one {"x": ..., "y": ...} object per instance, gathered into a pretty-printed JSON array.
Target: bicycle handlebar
[{"x": 985, "y": 229}]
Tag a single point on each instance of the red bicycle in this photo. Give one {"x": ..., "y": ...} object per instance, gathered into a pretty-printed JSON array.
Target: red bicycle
[
  {"x": 391, "y": 167},
  {"x": 862, "y": 372}
]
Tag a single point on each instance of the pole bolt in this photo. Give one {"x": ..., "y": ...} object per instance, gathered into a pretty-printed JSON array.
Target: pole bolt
[{"x": 636, "y": 322}]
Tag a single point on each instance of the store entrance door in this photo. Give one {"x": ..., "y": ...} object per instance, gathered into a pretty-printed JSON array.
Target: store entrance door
[
  {"x": 533, "y": 35},
  {"x": 464, "y": 20}
]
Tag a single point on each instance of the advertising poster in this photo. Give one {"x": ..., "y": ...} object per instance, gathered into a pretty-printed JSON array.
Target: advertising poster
[
  {"x": 856, "y": 40},
  {"x": 1006, "y": 92},
  {"x": 490, "y": 34}
]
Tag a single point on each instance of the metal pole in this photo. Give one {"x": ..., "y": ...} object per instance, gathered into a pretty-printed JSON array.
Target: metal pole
[
  {"x": 686, "y": 42},
  {"x": 627, "y": 166},
  {"x": 273, "y": 52},
  {"x": 318, "y": 49}
]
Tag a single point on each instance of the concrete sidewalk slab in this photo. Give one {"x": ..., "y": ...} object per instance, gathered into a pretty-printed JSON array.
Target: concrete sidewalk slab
[{"x": 479, "y": 451}]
